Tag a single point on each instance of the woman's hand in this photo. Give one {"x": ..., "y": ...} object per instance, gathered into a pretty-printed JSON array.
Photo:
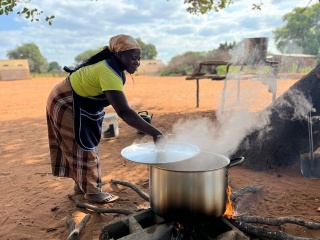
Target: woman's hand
[
  {"x": 120, "y": 104},
  {"x": 160, "y": 142}
]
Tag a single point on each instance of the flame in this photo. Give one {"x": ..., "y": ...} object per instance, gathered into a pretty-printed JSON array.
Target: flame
[{"x": 230, "y": 212}]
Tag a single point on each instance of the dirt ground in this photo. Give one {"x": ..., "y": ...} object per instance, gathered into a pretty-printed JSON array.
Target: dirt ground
[{"x": 34, "y": 204}]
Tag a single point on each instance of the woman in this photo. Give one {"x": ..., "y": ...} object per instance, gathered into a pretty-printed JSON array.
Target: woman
[{"x": 75, "y": 111}]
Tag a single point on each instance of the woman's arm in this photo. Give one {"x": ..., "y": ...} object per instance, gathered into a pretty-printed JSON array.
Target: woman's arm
[{"x": 120, "y": 104}]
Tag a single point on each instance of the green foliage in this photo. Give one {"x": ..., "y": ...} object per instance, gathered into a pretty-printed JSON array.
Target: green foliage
[
  {"x": 182, "y": 64},
  {"x": 302, "y": 30},
  {"x": 189, "y": 61},
  {"x": 9, "y": 6},
  {"x": 30, "y": 51},
  {"x": 86, "y": 55},
  {"x": 148, "y": 51},
  {"x": 54, "y": 66},
  {"x": 197, "y": 7},
  {"x": 227, "y": 46}
]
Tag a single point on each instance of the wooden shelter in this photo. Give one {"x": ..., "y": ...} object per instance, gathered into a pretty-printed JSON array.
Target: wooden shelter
[
  {"x": 297, "y": 62},
  {"x": 13, "y": 69}
]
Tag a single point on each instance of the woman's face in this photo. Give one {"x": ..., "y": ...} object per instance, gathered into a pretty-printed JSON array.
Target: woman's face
[{"x": 130, "y": 60}]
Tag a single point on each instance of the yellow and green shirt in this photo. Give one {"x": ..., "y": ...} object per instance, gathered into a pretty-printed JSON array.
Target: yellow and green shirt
[{"x": 94, "y": 79}]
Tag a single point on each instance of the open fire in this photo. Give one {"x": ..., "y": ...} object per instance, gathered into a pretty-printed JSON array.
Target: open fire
[
  {"x": 187, "y": 231},
  {"x": 230, "y": 212}
]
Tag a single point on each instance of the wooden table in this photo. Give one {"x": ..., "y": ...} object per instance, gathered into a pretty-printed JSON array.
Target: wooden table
[{"x": 198, "y": 76}]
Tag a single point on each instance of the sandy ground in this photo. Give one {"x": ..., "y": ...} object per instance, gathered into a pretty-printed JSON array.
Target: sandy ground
[{"x": 34, "y": 204}]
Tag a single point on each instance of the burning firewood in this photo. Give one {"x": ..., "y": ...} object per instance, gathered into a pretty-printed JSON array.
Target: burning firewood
[
  {"x": 244, "y": 223},
  {"x": 145, "y": 196}
]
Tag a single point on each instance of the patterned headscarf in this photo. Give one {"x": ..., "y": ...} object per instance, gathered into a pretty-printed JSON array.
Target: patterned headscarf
[{"x": 122, "y": 42}]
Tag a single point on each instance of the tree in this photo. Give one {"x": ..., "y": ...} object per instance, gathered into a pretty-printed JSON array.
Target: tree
[
  {"x": 301, "y": 30},
  {"x": 30, "y": 51},
  {"x": 226, "y": 46},
  {"x": 187, "y": 62},
  {"x": 148, "y": 51},
  {"x": 205, "y": 6},
  {"x": 195, "y": 7},
  {"x": 54, "y": 66},
  {"x": 9, "y": 6},
  {"x": 86, "y": 55}
]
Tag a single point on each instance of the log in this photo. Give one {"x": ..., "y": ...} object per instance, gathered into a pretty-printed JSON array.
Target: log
[
  {"x": 244, "y": 223},
  {"x": 279, "y": 221},
  {"x": 75, "y": 233},
  {"x": 145, "y": 196},
  {"x": 284, "y": 134},
  {"x": 242, "y": 191},
  {"x": 70, "y": 223},
  {"x": 266, "y": 233},
  {"x": 99, "y": 209},
  {"x": 133, "y": 187}
]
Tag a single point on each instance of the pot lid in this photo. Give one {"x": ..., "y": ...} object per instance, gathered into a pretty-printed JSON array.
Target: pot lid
[{"x": 171, "y": 152}]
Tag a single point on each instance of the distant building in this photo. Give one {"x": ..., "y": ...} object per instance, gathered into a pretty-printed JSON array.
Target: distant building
[
  {"x": 150, "y": 67},
  {"x": 13, "y": 69},
  {"x": 298, "y": 61}
]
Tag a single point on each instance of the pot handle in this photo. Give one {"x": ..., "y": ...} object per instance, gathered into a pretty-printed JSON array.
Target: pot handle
[{"x": 236, "y": 161}]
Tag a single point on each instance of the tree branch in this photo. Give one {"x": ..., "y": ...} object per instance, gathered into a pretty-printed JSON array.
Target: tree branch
[
  {"x": 237, "y": 193},
  {"x": 267, "y": 233},
  {"x": 70, "y": 223},
  {"x": 279, "y": 221},
  {"x": 97, "y": 209},
  {"x": 75, "y": 233},
  {"x": 133, "y": 187}
]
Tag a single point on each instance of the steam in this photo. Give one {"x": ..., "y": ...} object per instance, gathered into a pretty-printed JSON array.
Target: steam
[
  {"x": 224, "y": 134},
  {"x": 221, "y": 135}
]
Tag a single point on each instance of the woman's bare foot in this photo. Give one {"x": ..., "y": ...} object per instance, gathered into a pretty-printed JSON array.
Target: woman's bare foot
[{"x": 101, "y": 197}]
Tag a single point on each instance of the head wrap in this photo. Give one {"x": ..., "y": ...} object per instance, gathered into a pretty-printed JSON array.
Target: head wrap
[{"x": 122, "y": 42}]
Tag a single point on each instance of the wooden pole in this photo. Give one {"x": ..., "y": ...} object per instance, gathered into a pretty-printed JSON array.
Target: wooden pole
[{"x": 198, "y": 92}]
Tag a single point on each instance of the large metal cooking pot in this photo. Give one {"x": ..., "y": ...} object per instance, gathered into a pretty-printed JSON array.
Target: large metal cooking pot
[{"x": 191, "y": 190}]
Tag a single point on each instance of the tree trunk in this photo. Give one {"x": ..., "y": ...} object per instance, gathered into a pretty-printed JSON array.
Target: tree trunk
[{"x": 285, "y": 134}]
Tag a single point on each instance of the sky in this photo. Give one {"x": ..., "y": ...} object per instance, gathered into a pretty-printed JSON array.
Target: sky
[{"x": 82, "y": 25}]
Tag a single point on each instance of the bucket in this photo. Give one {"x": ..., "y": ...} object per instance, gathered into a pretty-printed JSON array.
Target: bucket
[
  {"x": 110, "y": 128},
  {"x": 145, "y": 116},
  {"x": 310, "y": 165},
  {"x": 250, "y": 51}
]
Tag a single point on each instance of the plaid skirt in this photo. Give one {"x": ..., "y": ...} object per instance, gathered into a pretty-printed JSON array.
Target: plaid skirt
[{"x": 67, "y": 158}]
